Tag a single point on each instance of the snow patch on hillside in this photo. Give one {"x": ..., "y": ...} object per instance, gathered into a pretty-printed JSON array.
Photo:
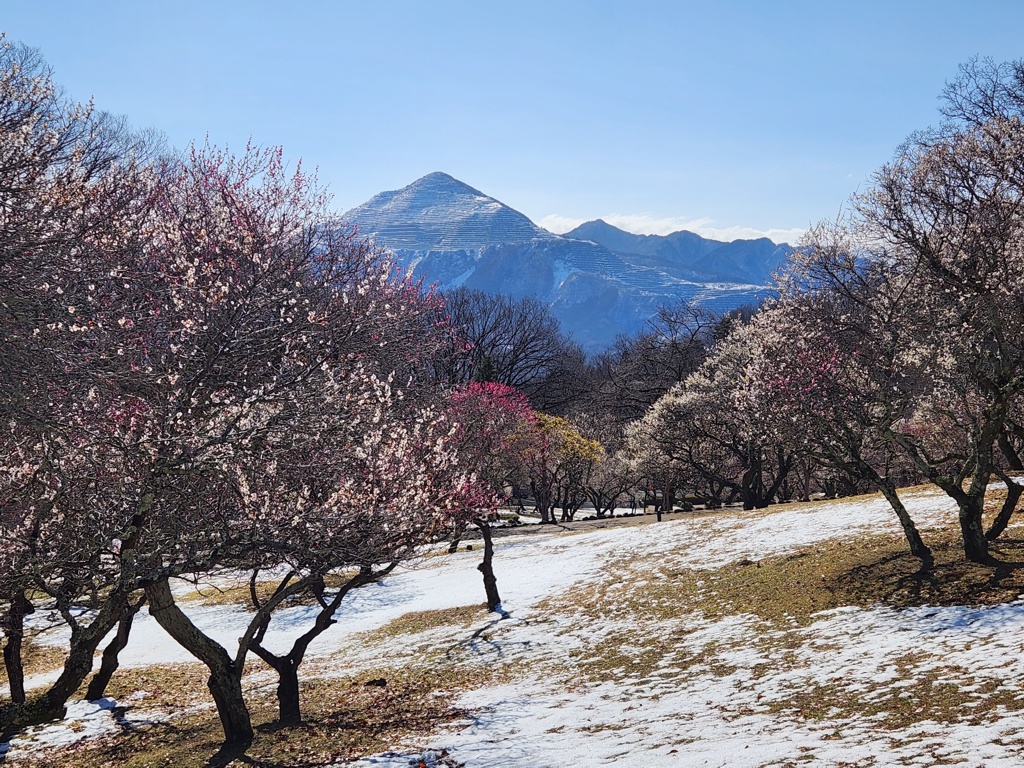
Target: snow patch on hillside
[{"x": 728, "y": 693}]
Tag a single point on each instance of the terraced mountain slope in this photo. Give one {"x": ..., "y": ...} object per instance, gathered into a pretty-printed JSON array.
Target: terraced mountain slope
[{"x": 599, "y": 281}]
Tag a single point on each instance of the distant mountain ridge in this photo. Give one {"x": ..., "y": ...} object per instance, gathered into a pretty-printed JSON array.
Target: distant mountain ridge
[
  {"x": 689, "y": 255},
  {"x": 600, "y": 281}
]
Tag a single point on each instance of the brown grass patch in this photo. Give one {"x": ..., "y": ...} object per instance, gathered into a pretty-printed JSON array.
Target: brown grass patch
[
  {"x": 37, "y": 657},
  {"x": 344, "y": 719},
  {"x": 783, "y": 593},
  {"x": 415, "y": 622},
  {"x": 860, "y": 571},
  {"x": 213, "y": 594},
  {"x": 921, "y": 695},
  {"x": 168, "y": 687}
]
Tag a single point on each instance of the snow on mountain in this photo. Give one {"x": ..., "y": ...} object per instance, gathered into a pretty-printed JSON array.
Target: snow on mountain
[
  {"x": 438, "y": 212},
  {"x": 599, "y": 280}
]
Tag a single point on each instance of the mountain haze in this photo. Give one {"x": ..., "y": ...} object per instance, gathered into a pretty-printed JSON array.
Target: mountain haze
[{"x": 599, "y": 280}]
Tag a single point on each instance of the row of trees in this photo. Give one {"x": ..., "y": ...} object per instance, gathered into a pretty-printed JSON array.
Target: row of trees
[
  {"x": 893, "y": 356},
  {"x": 200, "y": 372},
  {"x": 896, "y": 351}
]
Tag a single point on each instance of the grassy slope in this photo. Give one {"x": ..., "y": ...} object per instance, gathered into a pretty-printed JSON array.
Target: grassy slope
[{"x": 651, "y": 602}]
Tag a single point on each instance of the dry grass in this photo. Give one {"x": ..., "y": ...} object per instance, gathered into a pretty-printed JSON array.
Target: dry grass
[
  {"x": 214, "y": 594},
  {"x": 37, "y": 658},
  {"x": 859, "y": 571},
  {"x": 658, "y": 604},
  {"x": 416, "y": 622},
  {"x": 344, "y": 719},
  {"x": 920, "y": 697},
  {"x": 661, "y": 606},
  {"x": 166, "y": 687}
]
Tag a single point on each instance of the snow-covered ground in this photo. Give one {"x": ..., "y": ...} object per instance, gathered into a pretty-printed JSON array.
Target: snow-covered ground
[{"x": 726, "y": 694}]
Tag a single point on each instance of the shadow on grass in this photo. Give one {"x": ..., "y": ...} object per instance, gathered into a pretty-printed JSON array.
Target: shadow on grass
[
  {"x": 482, "y": 641},
  {"x": 898, "y": 579},
  {"x": 345, "y": 719}
]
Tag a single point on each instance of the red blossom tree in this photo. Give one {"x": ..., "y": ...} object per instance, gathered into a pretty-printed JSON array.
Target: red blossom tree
[{"x": 496, "y": 430}]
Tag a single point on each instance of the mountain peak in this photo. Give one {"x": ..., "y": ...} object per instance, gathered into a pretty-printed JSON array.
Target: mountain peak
[
  {"x": 600, "y": 225},
  {"x": 437, "y": 176},
  {"x": 601, "y": 232},
  {"x": 599, "y": 280},
  {"x": 439, "y": 212},
  {"x": 441, "y": 181}
]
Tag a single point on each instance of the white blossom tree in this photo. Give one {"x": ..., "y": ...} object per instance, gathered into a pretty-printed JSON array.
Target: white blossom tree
[{"x": 198, "y": 354}]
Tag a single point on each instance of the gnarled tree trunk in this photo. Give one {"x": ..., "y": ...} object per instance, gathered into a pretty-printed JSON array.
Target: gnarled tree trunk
[
  {"x": 1013, "y": 494},
  {"x": 109, "y": 664},
  {"x": 975, "y": 542},
  {"x": 486, "y": 568},
  {"x": 917, "y": 546},
  {"x": 225, "y": 681},
  {"x": 77, "y": 666},
  {"x": 287, "y": 666},
  {"x": 14, "y": 630}
]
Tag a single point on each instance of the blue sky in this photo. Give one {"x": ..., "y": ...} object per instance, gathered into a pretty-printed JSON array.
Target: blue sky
[{"x": 726, "y": 118}]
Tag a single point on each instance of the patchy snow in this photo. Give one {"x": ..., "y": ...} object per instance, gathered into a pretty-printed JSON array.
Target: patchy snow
[
  {"x": 561, "y": 270},
  {"x": 83, "y": 720},
  {"x": 727, "y": 694}
]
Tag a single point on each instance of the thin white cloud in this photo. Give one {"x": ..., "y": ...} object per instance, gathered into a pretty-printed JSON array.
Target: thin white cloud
[
  {"x": 559, "y": 224},
  {"x": 645, "y": 224}
]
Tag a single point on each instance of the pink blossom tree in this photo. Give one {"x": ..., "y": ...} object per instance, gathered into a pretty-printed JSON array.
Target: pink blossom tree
[
  {"x": 69, "y": 178},
  {"x": 496, "y": 430},
  {"x": 191, "y": 349},
  {"x": 947, "y": 210},
  {"x": 823, "y": 368}
]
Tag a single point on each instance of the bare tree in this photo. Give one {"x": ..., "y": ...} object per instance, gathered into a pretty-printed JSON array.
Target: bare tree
[
  {"x": 515, "y": 342},
  {"x": 629, "y": 379},
  {"x": 948, "y": 211}
]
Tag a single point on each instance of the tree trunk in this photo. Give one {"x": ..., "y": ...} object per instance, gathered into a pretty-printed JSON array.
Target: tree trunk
[
  {"x": 545, "y": 503},
  {"x": 486, "y": 568},
  {"x": 975, "y": 543},
  {"x": 918, "y": 548},
  {"x": 668, "y": 495},
  {"x": 289, "y": 706},
  {"x": 1013, "y": 494},
  {"x": 289, "y": 709},
  {"x": 110, "y": 663},
  {"x": 456, "y": 538},
  {"x": 287, "y": 666},
  {"x": 1013, "y": 460},
  {"x": 785, "y": 466},
  {"x": 77, "y": 666},
  {"x": 225, "y": 682},
  {"x": 747, "y": 489},
  {"x": 971, "y": 502},
  {"x": 14, "y": 629}
]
